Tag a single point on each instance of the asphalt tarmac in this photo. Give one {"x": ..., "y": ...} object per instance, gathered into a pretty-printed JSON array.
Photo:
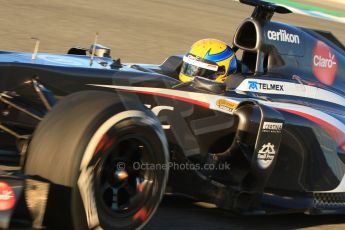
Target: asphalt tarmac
[
  {"x": 137, "y": 31},
  {"x": 147, "y": 32},
  {"x": 182, "y": 213}
]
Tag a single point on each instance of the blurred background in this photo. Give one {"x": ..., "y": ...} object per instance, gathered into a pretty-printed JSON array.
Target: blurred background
[
  {"x": 136, "y": 30},
  {"x": 147, "y": 32}
]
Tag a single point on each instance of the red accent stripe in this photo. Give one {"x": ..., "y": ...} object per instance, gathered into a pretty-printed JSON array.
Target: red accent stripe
[
  {"x": 175, "y": 97},
  {"x": 337, "y": 134},
  {"x": 334, "y": 132},
  {"x": 142, "y": 214},
  {"x": 104, "y": 144}
]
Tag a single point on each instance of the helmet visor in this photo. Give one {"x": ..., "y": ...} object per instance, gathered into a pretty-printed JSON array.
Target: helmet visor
[{"x": 194, "y": 66}]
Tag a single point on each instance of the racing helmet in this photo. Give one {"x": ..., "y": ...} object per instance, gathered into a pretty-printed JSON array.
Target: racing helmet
[{"x": 208, "y": 58}]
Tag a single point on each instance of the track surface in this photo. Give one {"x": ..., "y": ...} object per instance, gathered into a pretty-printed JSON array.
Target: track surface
[
  {"x": 180, "y": 213},
  {"x": 149, "y": 31},
  {"x": 137, "y": 31}
]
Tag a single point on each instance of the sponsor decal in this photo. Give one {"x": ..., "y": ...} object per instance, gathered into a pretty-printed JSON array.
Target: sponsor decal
[
  {"x": 266, "y": 155},
  {"x": 192, "y": 57},
  {"x": 294, "y": 89},
  {"x": 272, "y": 127},
  {"x": 197, "y": 61},
  {"x": 324, "y": 63},
  {"x": 283, "y": 36},
  {"x": 254, "y": 85},
  {"x": 226, "y": 105},
  {"x": 7, "y": 197}
]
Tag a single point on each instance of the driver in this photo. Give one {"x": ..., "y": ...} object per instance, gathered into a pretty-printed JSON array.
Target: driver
[{"x": 208, "y": 58}]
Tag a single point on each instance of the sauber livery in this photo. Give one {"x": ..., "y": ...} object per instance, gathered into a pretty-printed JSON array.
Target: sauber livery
[{"x": 78, "y": 126}]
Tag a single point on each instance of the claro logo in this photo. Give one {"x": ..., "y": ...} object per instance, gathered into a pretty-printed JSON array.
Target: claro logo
[
  {"x": 283, "y": 36},
  {"x": 324, "y": 63}
]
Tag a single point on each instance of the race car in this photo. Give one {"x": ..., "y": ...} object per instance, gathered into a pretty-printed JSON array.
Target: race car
[{"x": 89, "y": 142}]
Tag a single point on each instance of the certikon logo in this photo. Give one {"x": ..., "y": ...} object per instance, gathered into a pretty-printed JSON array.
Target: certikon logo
[{"x": 283, "y": 36}]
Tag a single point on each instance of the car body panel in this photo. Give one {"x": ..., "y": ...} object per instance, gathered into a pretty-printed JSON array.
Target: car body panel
[{"x": 282, "y": 116}]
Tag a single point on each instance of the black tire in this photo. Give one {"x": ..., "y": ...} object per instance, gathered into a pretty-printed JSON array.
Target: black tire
[{"x": 78, "y": 148}]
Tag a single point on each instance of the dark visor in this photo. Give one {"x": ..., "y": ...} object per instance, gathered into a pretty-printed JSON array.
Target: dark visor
[
  {"x": 193, "y": 71},
  {"x": 195, "y": 66}
]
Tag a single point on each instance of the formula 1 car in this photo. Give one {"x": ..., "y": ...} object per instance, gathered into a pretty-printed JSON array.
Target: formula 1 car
[{"x": 77, "y": 125}]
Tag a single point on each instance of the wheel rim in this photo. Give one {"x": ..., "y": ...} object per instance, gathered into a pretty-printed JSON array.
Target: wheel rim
[{"x": 122, "y": 187}]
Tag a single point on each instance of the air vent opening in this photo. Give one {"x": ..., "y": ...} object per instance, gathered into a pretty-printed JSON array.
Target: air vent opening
[{"x": 246, "y": 36}]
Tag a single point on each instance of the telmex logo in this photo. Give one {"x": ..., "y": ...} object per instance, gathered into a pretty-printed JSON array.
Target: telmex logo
[
  {"x": 254, "y": 85},
  {"x": 283, "y": 36}
]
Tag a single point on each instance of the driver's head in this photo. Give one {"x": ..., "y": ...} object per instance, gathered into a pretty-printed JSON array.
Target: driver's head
[{"x": 208, "y": 58}]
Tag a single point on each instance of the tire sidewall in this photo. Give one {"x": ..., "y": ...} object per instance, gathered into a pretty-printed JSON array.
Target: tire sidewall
[{"x": 137, "y": 117}]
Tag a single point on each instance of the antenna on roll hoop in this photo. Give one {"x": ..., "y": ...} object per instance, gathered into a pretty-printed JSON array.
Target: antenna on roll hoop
[
  {"x": 93, "y": 49},
  {"x": 34, "y": 54}
]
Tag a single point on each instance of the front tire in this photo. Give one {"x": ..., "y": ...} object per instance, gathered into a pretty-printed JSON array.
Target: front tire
[{"x": 96, "y": 146}]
